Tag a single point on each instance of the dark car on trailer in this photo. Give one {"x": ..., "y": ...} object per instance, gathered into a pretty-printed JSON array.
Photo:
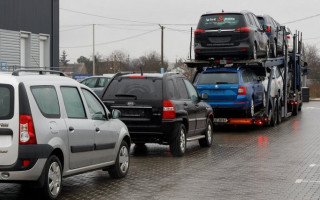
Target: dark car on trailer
[
  {"x": 275, "y": 34},
  {"x": 230, "y": 35},
  {"x": 161, "y": 108}
]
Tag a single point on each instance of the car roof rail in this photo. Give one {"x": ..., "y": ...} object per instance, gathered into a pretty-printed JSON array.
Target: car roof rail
[
  {"x": 40, "y": 71},
  {"x": 122, "y": 73}
]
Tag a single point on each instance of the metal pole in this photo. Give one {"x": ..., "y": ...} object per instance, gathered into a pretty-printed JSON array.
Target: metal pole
[
  {"x": 93, "y": 53},
  {"x": 190, "y": 44},
  {"x": 161, "y": 45}
]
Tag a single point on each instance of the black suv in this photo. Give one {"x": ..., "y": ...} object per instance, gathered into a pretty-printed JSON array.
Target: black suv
[
  {"x": 161, "y": 108},
  {"x": 230, "y": 35}
]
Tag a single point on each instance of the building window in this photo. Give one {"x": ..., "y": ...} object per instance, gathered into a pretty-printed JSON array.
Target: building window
[
  {"x": 25, "y": 49},
  {"x": 44, "y": 51}
]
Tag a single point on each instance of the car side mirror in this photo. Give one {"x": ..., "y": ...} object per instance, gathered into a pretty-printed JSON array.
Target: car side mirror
[
  {"x": 116, "y": 114},
  {"x": 204, "y": 96},
  {"x": 266, "y": 28}
]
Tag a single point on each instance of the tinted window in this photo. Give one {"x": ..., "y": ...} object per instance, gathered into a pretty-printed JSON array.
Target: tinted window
[
  {"x": 256, "y": 22},
  {"x": 72, "y": 102},
  {"x": 135, "y": 88},
  {"x": 182, "y": 89},
  {"x": 47, "y": 100},
  {"x": 218, "y": 78},
  {"x": 90, "y": 82},
  {"x": 95, "y": 108},
  {"x": 171, "y": 90},
  {"x": 102, "y": 82},
  {"x": 193, "y": 95},
  {"x": 218, "y": 21},
  {"x": 6, "y": 102},
  {"x": 250, "y": 19}
]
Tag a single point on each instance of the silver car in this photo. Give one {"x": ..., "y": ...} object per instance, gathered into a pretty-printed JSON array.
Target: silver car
[{"x": 52, "y": 126}]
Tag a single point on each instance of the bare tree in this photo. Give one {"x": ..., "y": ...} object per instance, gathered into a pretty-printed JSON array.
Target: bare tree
[{"x": 312, "y": 57}]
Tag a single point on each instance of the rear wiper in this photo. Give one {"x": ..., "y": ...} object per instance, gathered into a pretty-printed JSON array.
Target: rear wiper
[
  {"x": 126, "y": 95},
  {"x": 221, "y": 82}
]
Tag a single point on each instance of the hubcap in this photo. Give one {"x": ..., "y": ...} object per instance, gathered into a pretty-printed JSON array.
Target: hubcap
[
  {"x": 209, "y": 133},
  {"x": 124, "y": 159},
  {"x": 54, "y": 178},
  {"x": 182, "y": 140}
]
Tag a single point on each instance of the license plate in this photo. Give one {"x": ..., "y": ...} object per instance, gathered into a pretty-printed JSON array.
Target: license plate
[
  {"x": 223, "y": 62},
  {"x": 132, "y": 112},
  {"x": 220, "y": 120}
]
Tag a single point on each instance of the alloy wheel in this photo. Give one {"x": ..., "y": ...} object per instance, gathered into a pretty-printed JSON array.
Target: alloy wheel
[
  {"x": 54, "y": 178},
  {"x": 123, "y": 159}
]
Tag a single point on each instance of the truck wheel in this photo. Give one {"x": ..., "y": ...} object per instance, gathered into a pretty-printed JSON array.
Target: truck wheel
[
  {"x": 52, "y": 178},
  {"x": 178, "y": 143},
  {"x": 295, "y": 110},
  {"x": 279, "y": 111},
  {"x": 121, "y": 167},
  {"x": 272, "y": 112},
  {"x": 207, "y": 141},
  {"x": 300, "y": 106}
]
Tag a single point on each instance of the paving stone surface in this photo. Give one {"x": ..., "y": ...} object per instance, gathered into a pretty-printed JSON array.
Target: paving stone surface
[{"x": 281, "y": 162}]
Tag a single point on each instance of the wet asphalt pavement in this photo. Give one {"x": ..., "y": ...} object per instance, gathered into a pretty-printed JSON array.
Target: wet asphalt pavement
[{"x": 281, "y": 162}]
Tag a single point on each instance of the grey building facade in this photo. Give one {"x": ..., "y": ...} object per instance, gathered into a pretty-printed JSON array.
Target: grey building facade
[{"x": 29, "y": 33}]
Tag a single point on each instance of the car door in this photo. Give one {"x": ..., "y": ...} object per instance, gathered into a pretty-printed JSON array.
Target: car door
[
  {"x": 258, "y": 88},
  {"x": 80, "y": 129},
  {"x": 262, "y": 39},
  {"x": 188, "y": 105},
  {"x": 106, "y": 135},
  {"x": 200, "y": 110}
]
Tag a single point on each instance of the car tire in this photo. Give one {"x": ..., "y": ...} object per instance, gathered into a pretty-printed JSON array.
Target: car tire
[
  {"x": 274, "y": 49},
  {"x": 121, "y": 166},
  {"x": 254, "y": 52},
  {"x": 178, "y": 143},
  {"x": 208, "y": 140},
  {"x": 52, "y": 183},
  {"x": 250, "y": 111},
  {"x": 279, "y": 111}
]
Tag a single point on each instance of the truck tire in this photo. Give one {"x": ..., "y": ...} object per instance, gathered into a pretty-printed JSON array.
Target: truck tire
[
  {"x": 295, "y": 110},
  {"x": 279, "y": 111},
  {"x": 207, "y": 141},
  {"x": 178, "y": 142},
  {"x": 272, "y": 112},
  {"x": 121, "y": 167}
]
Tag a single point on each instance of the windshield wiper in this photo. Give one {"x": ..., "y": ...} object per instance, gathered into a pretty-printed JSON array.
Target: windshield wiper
[{"x": 126, "y": 95}]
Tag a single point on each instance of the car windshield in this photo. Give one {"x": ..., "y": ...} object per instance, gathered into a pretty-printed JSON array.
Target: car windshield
[
  {"x": 133, "y": 88},
  {"x": 221, "y": 21},
  {"x": 218, "y": 78}
]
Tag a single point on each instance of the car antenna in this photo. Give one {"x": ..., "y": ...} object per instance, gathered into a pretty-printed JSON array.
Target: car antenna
[{"x": 141, "y": 71}]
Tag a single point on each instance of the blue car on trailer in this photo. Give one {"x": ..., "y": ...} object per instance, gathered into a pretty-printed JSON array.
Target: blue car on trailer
[{"x": 233, "y": 92}]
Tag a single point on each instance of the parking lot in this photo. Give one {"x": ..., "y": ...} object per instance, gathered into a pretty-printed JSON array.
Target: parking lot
[{"x": 281, "y": 162}]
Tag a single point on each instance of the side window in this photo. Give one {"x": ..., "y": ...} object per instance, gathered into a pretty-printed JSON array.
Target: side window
[
  {"x": 102, "y": 82},
  {"x": 193, "y": 95},
  {"x": 254, "y": 76},
  {"x": 171, "y": 90},
  {"x": 73, "y": 103},
  {"x": 182, "y": 89},
  {"x": 256, "y": 21},
  {"x": 249, "y": 18},
  {"x": 90, "y": 82},
  {"x": 47, "y": 100},
  {"x": 245, "y": 77},
  {"x": 95, "y": 108}
]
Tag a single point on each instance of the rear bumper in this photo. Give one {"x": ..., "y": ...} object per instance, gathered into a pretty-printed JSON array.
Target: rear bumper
[
  {"x": 243, "y": 50},
  {"x": 146, "y": 133},
  {"x": 36, "y": 155}
]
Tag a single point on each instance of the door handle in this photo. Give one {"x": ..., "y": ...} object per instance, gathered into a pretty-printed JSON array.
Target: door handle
[
  {"x": 97, "y": 129},
  {"x": 71, "y": 129}
]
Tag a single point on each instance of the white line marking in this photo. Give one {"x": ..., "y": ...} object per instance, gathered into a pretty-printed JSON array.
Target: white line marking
[
  {"x": 312, "y": 165},
  {"x": 299, "y": 181},
  {"x": 306, "y": 181}
]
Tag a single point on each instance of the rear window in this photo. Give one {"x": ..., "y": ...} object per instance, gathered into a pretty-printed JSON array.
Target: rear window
[
  {"x": 47, "y": 100},
  {"x": 261, "y": 20},
  {"x": 218, "y": 78},
  {"x": 221, "y": 21},
  {"x": 135, "y": 88},
  {"x": 6, "y": 101}
]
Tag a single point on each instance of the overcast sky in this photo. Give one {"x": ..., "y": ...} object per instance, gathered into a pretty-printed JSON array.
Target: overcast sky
[{"x": 137, "y": 39}]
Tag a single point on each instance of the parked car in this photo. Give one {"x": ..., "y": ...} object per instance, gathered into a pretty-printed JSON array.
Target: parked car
[
  {"x": 275, "y": 34},
  {"x": 51, "y": 127},
  {"x": 289, "y": 37},
  {"x": 276, "y": 83},
  {"x": 230, "y": 35},
  {"x": 233, "y": 92},
  {"x": 161, "y": 108},
  {"x": 97, "y": 83}
]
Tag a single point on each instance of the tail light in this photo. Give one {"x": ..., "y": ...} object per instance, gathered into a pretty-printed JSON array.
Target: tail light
[
  {"x": 137, "y": 77},
  {"x": 288, "y": 36},
  {"x": 198, "y": 31},
  {"x": 169, "y": 112},
  {"x": 27, "y": 133},
  {"x": 243, "y": 30},
  {"x": 268, "y": 30},
  {"x": 242, "y": 90}
]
